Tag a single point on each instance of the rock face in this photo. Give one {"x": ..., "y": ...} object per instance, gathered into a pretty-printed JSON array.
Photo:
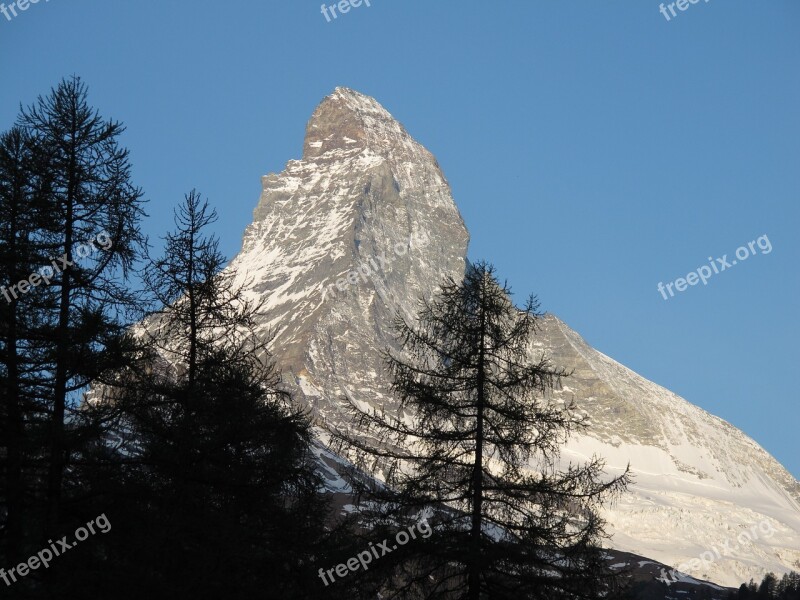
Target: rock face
[
  {"x": 369, "y": 208},
  {"x": 364, "y": 225}
]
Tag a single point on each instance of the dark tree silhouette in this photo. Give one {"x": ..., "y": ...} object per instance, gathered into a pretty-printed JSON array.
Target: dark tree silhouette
[
  {"x": 68, "y": 237},
  {"x": 22, "y": 405},
  {"x": 87, "y": 198},
  {"x": 770, "y": 588},
  {"x": 476, "y": 441},
  {"x": 209, "y": 479}
]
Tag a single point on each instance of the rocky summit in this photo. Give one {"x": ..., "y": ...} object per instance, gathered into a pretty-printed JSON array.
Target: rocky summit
[{"x": 364, "y": 224}]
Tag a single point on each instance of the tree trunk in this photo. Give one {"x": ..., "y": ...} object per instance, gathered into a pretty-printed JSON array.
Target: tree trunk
[
  {"x": 477, "y": 482},
  {"x": 57, "y": 446},
  {"x": 15, "y": 432}
]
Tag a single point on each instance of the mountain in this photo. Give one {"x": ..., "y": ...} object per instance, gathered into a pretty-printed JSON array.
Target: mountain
[{"x": 365, "y": 224}]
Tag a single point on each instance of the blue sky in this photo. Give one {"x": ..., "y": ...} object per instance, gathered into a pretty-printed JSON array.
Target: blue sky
[{"x": 595, "y": 149}]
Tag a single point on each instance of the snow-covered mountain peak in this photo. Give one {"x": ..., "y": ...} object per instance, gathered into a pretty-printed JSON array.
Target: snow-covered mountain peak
[
  {"x": 365, "y": 221},
  {"x": 364, "y": 224},
  {"x": 347, "y": 120}
]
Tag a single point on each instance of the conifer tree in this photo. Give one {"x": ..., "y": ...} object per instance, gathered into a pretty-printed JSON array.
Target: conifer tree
[
  {"x": 209, "y": 479},
  {"x": 87, "y": 225},
  {"x": 68, "y": 237},
  {"x": 20, "y": 405},
  {"x": 475, "y": 442}
]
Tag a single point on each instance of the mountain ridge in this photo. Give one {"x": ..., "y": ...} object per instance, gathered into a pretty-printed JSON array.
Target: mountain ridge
[{"x": 364, "y": 224}]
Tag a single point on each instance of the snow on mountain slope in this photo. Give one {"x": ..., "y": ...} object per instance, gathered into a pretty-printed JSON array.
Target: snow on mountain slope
[
  {"x": 700, "y": 482},
  {"x": 364, "y": 224}
]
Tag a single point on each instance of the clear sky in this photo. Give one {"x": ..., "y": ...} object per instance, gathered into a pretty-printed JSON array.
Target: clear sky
[{"x": 595, "y": 149}]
